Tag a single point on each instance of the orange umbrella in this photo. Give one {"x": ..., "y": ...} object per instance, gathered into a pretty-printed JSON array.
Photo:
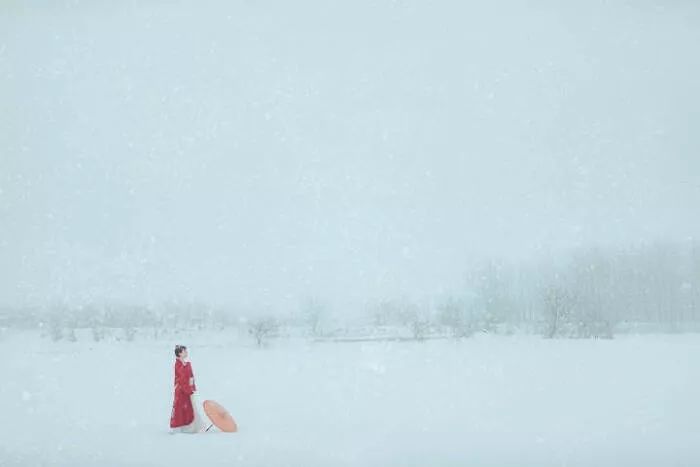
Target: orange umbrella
[{"x": 219, "y": 417}]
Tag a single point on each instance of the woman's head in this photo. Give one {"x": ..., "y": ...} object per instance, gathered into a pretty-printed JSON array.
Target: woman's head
[{"x": 180, "y": 351}]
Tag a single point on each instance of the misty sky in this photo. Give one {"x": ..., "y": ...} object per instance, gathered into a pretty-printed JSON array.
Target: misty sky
[{"x": 262, "y": 152}]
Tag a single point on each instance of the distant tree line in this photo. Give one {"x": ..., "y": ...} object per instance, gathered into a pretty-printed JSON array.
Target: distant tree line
[{"x": 588, "y": 293}]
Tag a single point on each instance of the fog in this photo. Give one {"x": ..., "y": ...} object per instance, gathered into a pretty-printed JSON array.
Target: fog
[
  {"x": 259, "y": 153},
  {"x": 375, "y": 233}
]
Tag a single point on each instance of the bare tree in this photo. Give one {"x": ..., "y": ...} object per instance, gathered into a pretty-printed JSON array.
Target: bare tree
[
  {"x": 55, "y": 328},
  {"x": 558, "y": 306},
  {"x": 313, "y": 312},
  {"x": 262, "y": 328},
  {"x": 411, "y": 315},
  {"x": 455, "y": 315},
  {"x": 493, "y": 283},
  {"x": 420, "y": 328}
]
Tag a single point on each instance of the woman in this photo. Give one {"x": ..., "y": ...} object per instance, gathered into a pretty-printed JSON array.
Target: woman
[{"x": 185, "y": 417}]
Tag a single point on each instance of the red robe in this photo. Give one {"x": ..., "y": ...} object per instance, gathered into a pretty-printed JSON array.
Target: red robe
[{"x": 183, "y": 413}]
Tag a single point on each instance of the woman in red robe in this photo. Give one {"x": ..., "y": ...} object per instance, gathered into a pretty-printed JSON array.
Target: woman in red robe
[{"x": 184, "y": 415}]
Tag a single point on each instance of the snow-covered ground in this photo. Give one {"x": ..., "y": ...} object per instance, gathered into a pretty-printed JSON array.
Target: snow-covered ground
[{"x": 485, "y": 401}]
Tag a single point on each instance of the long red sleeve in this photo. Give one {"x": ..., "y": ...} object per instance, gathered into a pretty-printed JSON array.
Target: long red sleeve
[
  {"x": 194, "y": 386},
  {"x": 182, "y": 378}
]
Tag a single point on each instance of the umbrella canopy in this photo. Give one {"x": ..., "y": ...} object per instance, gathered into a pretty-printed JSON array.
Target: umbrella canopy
[{"x": 220, "y": 417}]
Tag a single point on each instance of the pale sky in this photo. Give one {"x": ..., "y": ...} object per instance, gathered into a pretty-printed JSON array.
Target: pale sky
[{"x": 262, "y": 152}]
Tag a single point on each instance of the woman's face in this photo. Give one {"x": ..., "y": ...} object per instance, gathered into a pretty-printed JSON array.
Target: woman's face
[{"x": 183, "y": 354}]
